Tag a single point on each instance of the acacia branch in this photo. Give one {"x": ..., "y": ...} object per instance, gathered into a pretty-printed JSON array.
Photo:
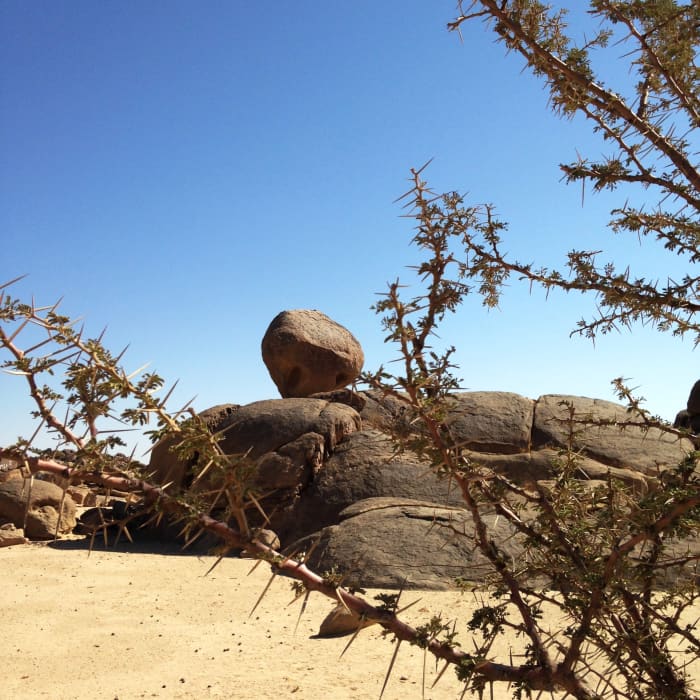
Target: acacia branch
[
  {"x": 44, "y": 411},
  {"x": 60, "y": 333},
  {"x": 632, "y": 298},
  {"x": 645, "y": 175},
  {"x": 656, "y": 62},
  {"x": 535, "y": 53}
]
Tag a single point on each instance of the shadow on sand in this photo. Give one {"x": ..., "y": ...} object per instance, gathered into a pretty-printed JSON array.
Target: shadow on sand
[{"x": 145, "y": 542}]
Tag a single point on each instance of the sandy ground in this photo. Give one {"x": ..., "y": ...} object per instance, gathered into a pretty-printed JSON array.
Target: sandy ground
[{"x": 125, "y": 625}]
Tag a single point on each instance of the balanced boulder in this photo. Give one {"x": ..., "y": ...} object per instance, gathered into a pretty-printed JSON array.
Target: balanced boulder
[{"x": 306, "y": 352}]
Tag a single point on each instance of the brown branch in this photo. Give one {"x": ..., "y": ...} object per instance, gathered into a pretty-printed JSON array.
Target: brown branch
[
  {"x": 679, "y": 509},
  {"x": 624, "y": 291},
  {"x": 44, "y": 411}
]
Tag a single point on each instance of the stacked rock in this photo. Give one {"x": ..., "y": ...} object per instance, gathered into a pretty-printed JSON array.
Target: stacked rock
[{"x": 308, "y": 353}]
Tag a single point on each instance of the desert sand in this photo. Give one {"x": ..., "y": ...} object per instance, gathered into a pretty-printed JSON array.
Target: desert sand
[
  {"x": 126, "y": 624},
  {"x": 116, "y": 624}
]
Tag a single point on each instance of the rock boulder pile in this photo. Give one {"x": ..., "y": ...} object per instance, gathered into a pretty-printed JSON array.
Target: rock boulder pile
[
  {"x": 334, "y": 484},
  {"x": 387, "y": 519}
]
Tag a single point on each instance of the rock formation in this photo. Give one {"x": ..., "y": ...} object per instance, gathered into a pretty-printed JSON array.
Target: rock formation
[
  {"x": 335, "y": 475},
  {"x": 391, "y": 522},
  {"x": 332, "y": 482}
]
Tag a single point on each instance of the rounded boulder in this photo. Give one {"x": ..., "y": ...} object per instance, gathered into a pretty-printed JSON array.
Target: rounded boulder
[{"x": 306, "y": 353}]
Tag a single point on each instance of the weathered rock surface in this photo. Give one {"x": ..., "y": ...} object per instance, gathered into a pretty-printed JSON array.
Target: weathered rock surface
[
  {"x": 384, "y": 412},
  {"x": 269, "y": 431},
  {"x": 46, "y": 501},
  {"x": 492, "y": 421},
  {"x": 86, "y": 496},
  {"x": 485, "y": 421},
  {"x": 394, "y": 543},
  {"x": 520, "y": 437},
  {"x": 306, "y": 352},
  {"x": 349, "y": 397},
  {"x": 287, "y": 439},
  {"x": 9, "y": 469},
  {"x": 631, "y": 447},
  {"x": 364, "y": 466},
  {"x": 265, "y": 426},
  {"x": 527, "y": 468}
]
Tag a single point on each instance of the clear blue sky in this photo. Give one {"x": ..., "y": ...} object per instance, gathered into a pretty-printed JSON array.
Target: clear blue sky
[{"x": 181, "y": 172}]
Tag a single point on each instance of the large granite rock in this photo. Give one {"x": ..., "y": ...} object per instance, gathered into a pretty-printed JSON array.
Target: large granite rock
[
  {"x": 384, "y": 516},
  {"x": 271, "y": 432},
  {"x": 364, "y": 466},
  {"x": 306, "y": 352},
  {"x": 49, "y": 511},
  {"x": 632, "y": 447},
  {"x": 404, "y": 543}
]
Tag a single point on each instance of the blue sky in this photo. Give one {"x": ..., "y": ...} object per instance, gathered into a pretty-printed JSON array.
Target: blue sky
[{"x": 181, "y": 172}]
